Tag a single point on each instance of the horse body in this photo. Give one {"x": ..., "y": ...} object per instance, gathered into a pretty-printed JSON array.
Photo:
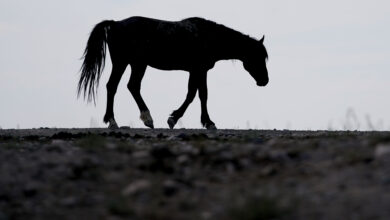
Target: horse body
[
  {"x": 186, "y": 45},
  {"x": 193, "y": 45}
]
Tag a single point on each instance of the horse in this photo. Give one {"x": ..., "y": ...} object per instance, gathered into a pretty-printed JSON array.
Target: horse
[{"x": 192, "y": 44}]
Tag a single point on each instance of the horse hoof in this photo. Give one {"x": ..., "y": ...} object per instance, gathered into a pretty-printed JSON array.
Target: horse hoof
[
  {"x": 171, "y": 122},
  {"x": 211, "y": 127},
  {"x": 113, "y": 126},
  {"x": 149, "y": 123},
  {"x": 147, "y": 119}
]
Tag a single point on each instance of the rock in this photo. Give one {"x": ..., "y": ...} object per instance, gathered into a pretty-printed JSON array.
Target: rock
[
  {"x": 3, "y": 216},
  {"x": 183, "y": 137},
  {"x": 161, "y": 152},
  {"x": 183, "y": 159},
  {"x": 382, "y": 150},
  {"x": 268, "y": 171},
  {"x": 161, "y": 135},
  {"x": 138, "y": 136},
  {"x": 111, "y": 146},
  {"x": 200, "y": 136},
  {"x": 206, "y": 215},
  {"x": 62, "y": 135},
  {"x": 30, "y": 190},
  {"x": 140, "y": 154},
  {"x": 136, "y": 187},
  {"x": 189, "y": 149},
  {"x": 69, "y": 201},
  {"x": 278, "y": 155},
  {"x": 170, "y": 187}
]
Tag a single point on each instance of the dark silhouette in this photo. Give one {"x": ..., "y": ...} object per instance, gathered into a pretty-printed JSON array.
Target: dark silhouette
[{"x": 193, "y": 45}]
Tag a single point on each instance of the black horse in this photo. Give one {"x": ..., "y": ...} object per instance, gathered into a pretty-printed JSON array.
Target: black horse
[{"x": 193, "y": 45}]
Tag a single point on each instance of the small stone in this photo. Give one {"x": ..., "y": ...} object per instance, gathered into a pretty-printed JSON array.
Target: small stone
[
  {"x": 136, "y": 187},
  {"x": 161, "y": 152},
  {"x": 183, "y": 137},
  {"x": 138, "y": 136},
  {"x": 2, "y": 215},
  {"x": 54, "y": 148},
  {"x": 69, "y": 201},
  {"x": 58, "y": 142},
  {"x": 170, "y": 187},
  {"x": 230, "y": 168},
  {"x": 111, "y": 146},
  {"x": 182, "y": 159},
  {"x": 30, "y": 190},
  {"x": 268, "y": 171},
  {"x": 278, "y": 155},
  {"x": 161, "y": 135},
  {"x": 382, "y": 150},
  {"x": 206, "y": 215},
  {"x": 140, "y": 154}
]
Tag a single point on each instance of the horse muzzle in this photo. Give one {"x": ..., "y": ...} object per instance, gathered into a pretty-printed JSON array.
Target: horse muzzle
[{"x": 262, "y": 83}]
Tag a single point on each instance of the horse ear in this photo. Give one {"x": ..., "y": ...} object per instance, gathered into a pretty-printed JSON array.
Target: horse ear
[{"x": 262, "y": 39}]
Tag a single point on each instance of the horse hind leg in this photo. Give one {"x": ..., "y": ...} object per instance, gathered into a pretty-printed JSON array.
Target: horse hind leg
[
  {"x": 177, "y": 114},
  {"x": 112, "y": 85},
  {"x": 134, "y": 86}
]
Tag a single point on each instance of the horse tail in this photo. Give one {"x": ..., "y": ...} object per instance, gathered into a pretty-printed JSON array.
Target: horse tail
[{"x": 94, "y": 59}]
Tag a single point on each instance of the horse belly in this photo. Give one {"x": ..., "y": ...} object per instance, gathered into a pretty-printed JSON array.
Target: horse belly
[{"x": 172, "y": 60}]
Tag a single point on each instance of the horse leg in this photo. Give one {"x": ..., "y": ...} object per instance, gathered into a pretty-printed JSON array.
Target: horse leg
[
  {"x": 134, "y": 86},
  {"x": 177, "y": 114},
  {"x": 112, "y": 85},
  {"x": 205, "y": 118}
]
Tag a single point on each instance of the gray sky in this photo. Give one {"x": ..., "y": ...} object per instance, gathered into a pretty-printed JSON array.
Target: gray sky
[{"x": 328, "y": 67}]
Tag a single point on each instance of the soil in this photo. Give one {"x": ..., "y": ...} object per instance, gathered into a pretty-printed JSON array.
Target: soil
[{"x": 193, "y": 174}]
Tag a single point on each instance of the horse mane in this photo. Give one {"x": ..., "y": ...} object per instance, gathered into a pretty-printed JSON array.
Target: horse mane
[{"x": 226, "y": 31}]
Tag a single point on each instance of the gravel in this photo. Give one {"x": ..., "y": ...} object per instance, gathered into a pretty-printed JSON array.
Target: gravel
[{"x": 193, "y": 174}]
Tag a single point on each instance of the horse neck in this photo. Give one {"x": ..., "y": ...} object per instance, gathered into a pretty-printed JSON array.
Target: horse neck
[{"x": 234, "y": 46}]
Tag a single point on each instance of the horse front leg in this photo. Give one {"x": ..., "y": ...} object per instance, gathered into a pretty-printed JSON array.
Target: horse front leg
[
  {"x": 192, "y": 87},
  {"x": 112, "y": 85},
  {"x": 205, "y": 118},
  {"x": 134, "y": 86}
]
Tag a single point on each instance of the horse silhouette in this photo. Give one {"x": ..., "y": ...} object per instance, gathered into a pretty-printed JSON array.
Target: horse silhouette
[{"x": 193, "y": 45}]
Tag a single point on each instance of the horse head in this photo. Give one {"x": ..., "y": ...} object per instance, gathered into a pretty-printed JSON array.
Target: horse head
[{"x": 255, "y": 62}]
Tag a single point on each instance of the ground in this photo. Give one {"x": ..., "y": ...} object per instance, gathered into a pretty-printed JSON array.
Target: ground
[{"x": 193, "y": 174}]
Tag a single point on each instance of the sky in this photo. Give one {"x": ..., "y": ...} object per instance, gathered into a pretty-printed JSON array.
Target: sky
[{"x": 328, "y": 65}]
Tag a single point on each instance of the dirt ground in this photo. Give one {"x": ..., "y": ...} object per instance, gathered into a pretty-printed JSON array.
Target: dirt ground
[{"x": 193, "y": 174}]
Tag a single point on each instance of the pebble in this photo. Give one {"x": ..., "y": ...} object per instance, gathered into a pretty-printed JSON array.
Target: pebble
[
  {"x": 170, "y": 187},
  {"x": 3, "y": 216},
  {"x": 111, "y": 146},
  {"x": 59, "y": 142},
  {"x": 268, "y": 171},
  {"x": 183, "y": 137},
  {"x": 136, "y": 187},
  {"x": 69, "y": 201},
  {"x": 161, "y": 152},
  {"x": 140, "y": 154},
  {"x": 382, "y": 150},
  {"x": 182, "y": 159}
]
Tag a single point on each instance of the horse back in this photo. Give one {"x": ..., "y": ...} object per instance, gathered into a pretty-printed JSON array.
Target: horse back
[{"x": 165, "y": 44}]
